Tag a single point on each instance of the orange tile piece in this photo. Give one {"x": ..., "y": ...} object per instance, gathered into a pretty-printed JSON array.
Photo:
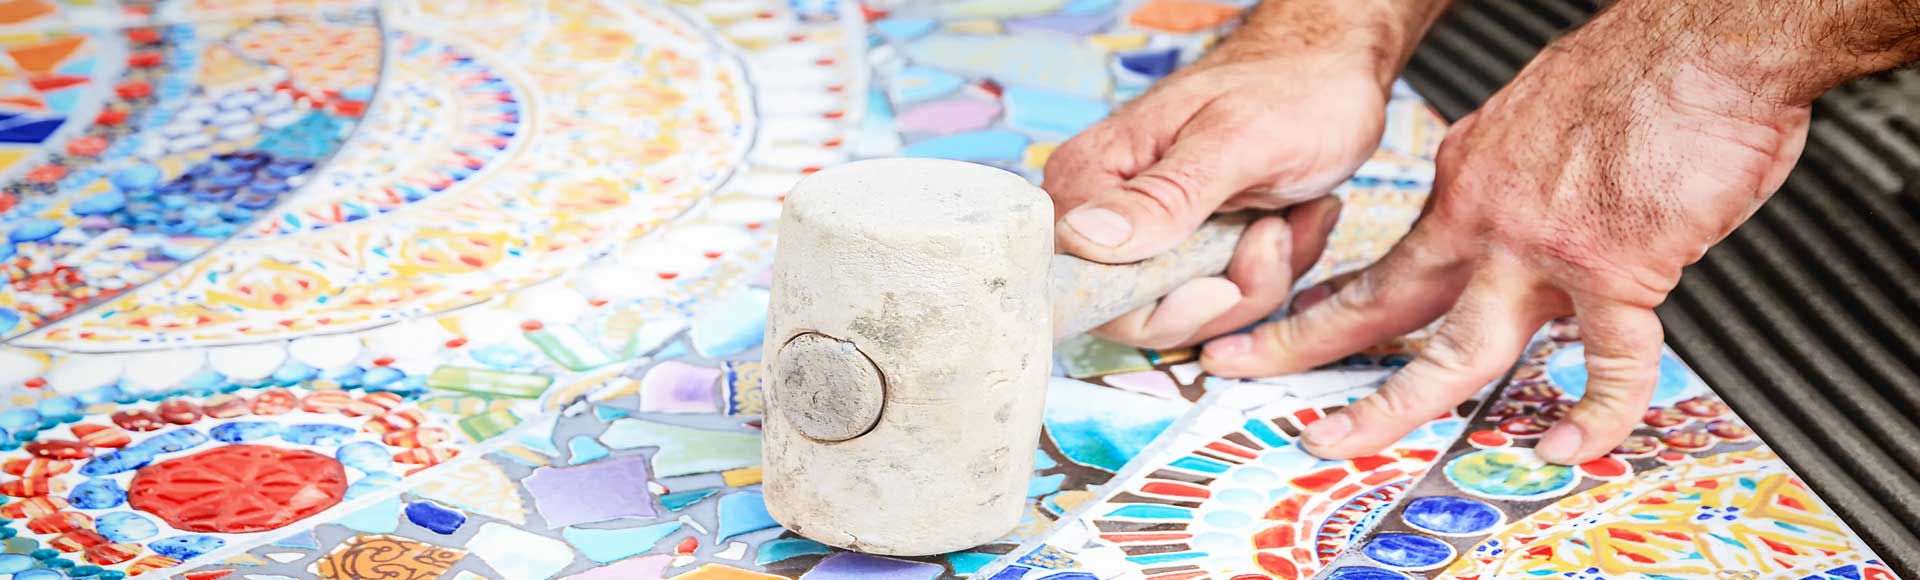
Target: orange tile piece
[
  {"x": 1182, "y": 15},
  {"x": 43, "y": 58},
  {"x": 17, "y": 11}
]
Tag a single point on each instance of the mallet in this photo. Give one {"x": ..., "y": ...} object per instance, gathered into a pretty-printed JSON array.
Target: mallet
[{"x": 910, "y": 338}]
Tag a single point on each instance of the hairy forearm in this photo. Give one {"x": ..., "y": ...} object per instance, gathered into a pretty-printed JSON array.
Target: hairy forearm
[
  {"x": 1378, "y": 34},
  {"x": 1788, "y": 52}
]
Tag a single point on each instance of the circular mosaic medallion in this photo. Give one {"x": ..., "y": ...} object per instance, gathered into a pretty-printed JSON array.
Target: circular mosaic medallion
[
  {"x": 1508, "y": 473},
  {"x": 239, "y": 488}
]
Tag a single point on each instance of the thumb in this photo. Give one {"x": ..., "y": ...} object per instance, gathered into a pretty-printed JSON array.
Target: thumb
[{"x": 1161, "y": 206}]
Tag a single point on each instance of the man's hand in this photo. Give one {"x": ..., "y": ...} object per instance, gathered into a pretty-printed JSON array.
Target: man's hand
[
  {"x": 1616, "y": 158},
  {"x": 1276, "y": 116}
]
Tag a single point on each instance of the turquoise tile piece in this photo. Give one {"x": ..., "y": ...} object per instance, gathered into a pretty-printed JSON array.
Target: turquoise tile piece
[
  {"x": 679, "y": 500},
  {"x": 742, "y": 513},
  {"x": 989, "y": 145},
  {"x": 605, "y": 546},
  {"x": 783, "y": 549}
]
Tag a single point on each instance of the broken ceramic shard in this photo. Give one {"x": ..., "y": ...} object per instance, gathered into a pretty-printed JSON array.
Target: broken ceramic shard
[{"x": 614, "y": 488}]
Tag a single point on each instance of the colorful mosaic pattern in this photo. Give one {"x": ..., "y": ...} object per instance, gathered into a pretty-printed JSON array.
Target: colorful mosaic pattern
[
  {"x": 1691, "y": 494},
  {"x": 475, "y": 289},
  {"x": 1230, "y": 495},
  {"x": 185, "y": 131}
]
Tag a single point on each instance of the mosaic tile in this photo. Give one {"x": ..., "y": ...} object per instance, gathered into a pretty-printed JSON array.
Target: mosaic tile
[
  {"x": 375, "y": 556},
  {"x": 590, "y": 493},
  {"x": 424, "y": 302}
]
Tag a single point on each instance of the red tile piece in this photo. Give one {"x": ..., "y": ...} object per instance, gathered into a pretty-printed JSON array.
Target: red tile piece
[{"x": 255, "y": 488}]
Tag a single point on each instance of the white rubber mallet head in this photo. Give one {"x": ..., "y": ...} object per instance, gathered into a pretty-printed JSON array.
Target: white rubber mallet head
[{"x": 915, "y": 305}]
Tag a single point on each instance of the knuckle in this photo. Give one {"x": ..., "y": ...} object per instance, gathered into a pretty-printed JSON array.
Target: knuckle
[
  {"x": 1389, "y": 405},
  {"x": 1448, "y": 353},
  {"x": 1173, "y": 190},
  {"x": 1617, "y": 379}
]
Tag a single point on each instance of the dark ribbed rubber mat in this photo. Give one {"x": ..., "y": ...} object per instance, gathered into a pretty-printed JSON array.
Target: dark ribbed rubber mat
[{"x": 1807, "y": 319}]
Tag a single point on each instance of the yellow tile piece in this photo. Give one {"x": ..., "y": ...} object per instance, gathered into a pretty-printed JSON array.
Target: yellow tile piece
[
  {"x": 724, "y": 572},
  {"x": 741, "y": 477},
  {"x": 531, "y": 456},
  {"x": 1038, "y": 153},
  {"x": 974, "y": 26},
  {"x": 1119, "y": 42},
  {"x": 1069, "y": 500}
]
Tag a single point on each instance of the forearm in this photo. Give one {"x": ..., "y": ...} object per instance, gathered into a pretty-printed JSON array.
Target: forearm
[
  {"x": 1377, "y": 34},
  {"x": 1786, "y": 52}
]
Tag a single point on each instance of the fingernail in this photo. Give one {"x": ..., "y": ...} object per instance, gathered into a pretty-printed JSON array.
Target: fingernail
[
  {"x": 1100, "y": 225},
  {"x": 1328, "y": 430},
  {"x": 1228, "y": 346},
  {"x": 1311, "y": 296},
  {"x": 1560, "y": 444}
]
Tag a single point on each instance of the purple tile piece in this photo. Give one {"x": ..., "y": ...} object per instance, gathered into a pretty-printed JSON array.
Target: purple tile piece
[
  {"x": 1080, "y": 25},
  {"x": 853, "y": 566},
  {"x": 677, "y": 387},
  {"x": 641, "y": 568},
  {"x": 614, "y": 488},
  {"x": 949, "y": 116}
]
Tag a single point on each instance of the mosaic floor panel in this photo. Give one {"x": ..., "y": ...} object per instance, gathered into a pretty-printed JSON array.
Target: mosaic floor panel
[{"x": 474, "y": 290}]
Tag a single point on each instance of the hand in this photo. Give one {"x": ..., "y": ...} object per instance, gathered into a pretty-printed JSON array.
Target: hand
[
  {"x": 1250, "y": 125},
  {"x": 1581, "y": 188}
]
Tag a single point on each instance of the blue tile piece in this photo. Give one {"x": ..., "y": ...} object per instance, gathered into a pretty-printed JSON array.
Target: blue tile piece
[
  {"x": 605, "y": 546},
  {"x": 1052, "y": 113},
  {"x": 241, "y": 431},
  {"x": 1084, "y": 7},
  {"x": 679, "y": 500},
  {"x": 1045, "y": 484},
  {"x": 1155, "y": 64},
  {"x": 904, "y": 29},
  {"x": 1408, "y": 551},
  {"x": 379, "y": 518},
  {"x": 97, "y": 494},
  {"x": 732, "y": 326},
  {"x": 988, "y": 145},
  {"x": 783, "y": 549},
  {"x": 186, "y": 547},
  {"x": 33, "y": 231},
  {"x": 741, "y": 513},
  {"x": 1102, "y": 427},
  {"x": 316, "y": 434},
  {"x": 609, "y": 413},
  {"x": 19, "y": 420},
  {"x": 1030, "y": 60},
  {"x": 11, "y": 563},
  {"x": 915, "y": 84},
  {"x": 122, "y": 527},
  {"x": 435, "y": 517},
  {"x": 1457, "y": 516},
  {"x": 857, "y": 566},
  {"x": 366, "y": 456},
  {"x": 583, "y": 449}
]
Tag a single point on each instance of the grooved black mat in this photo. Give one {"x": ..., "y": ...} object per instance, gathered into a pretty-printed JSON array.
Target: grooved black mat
[{"x": 1807, "y": 319}]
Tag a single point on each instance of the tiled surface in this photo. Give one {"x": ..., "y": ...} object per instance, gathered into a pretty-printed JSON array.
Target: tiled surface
[{"x": 497, "y": 314}]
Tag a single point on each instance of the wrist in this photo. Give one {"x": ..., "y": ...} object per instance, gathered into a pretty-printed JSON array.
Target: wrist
[
  {"x": 1372, "y": 37},
  {"x": 1784, "y": 54}
]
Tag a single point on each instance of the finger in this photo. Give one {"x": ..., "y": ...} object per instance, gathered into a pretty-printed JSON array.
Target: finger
[
  {"x": 1312, "y": 223},
  {"x": 1623, "y": 368},
  {"x": 1173, "y": 319},
  {"x": 1162, "y": 205},
  {"x": 1305, "y": 299},
  {"x": 1407, "y": 289},
  {"x": 1480, "y": 339},
  {"x": 1265, "y": 270}
]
